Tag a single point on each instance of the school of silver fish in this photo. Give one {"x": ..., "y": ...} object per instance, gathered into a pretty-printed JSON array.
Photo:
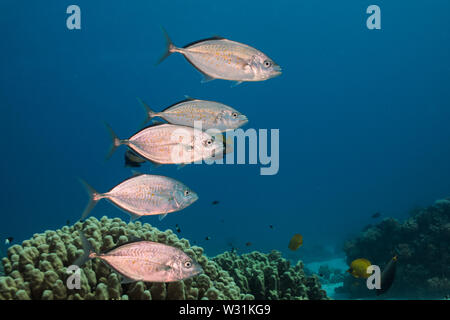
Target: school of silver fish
[{"x": 185, "y": 139}]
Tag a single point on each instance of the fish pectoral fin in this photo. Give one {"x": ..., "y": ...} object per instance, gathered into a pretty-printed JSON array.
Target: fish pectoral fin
[
  {"x": 134, "y": 217},
  {"x": 155, "y": 266}
]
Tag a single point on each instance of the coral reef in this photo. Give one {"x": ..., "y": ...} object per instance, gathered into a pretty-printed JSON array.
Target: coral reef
[
  {"x": 330, "y": 275},
  {"x": 37, "y": 269},
  {"x": 270, "y": 277},
  {"x": 422, "y": 244}
]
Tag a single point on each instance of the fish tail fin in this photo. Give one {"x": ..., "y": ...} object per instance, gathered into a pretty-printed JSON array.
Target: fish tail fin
[
  {"x": 170, "y": 47},
  {"x": 88, "y": 251},
  {"x": 94, "y": 197},
  {"x": 116, "y": 142},
  {"x": 149, "y": 113}
]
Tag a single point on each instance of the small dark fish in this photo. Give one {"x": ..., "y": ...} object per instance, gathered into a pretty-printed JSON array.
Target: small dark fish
[
  {"x": 271, "y": 226},
  {"x": 9, "y": 240},
  {"x": 320, "y": 275},
  {"x": 215, "y": 202},
  {"x": 388, "y": 276},
  {"x": 133, "y": 160},
  {"x": 208, "y": 238},
  {"x": 376, "y": 215},
  {"x": 177, "y": 228},
  {"x": 248, "y": 244},
  {"x": 233, "y": 250}
]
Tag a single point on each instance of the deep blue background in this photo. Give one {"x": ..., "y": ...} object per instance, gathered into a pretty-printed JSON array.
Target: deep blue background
[{"x": 363, "y": 115}]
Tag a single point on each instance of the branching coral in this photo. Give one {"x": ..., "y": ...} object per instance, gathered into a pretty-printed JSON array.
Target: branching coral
[
  {"x": 37, "y": 269},
  {"x": 269, "y": 276}
]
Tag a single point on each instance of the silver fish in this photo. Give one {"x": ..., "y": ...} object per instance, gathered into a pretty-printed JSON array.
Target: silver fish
[
  {"x": 212, "y": 115},
  {"x": 144, "y": 195},
  {"x": 170, "y": 144},
  {"x": 144, "y": 261},
  {"x": 220, "y": 58}
]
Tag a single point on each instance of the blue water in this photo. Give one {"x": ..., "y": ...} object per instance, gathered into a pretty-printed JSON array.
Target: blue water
[{"x": 363, "y": 114}]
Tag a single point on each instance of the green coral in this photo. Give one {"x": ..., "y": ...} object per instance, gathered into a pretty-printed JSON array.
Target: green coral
[
  {"x": 37, "y": 268},
  {"x": 270, "y": 277}
]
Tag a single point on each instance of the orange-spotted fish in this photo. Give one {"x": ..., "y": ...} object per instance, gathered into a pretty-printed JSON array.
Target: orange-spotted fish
[
  {"x": 171, "y": 144},
  {"x": 145, "y": 195},
  {"x": 210, "y": 114},
  {"x": 296, "y": 242},
  {"x": 220, "y": 58},
  {"x": 358, "y": 268},
  {"x": 144, "y": 261}
]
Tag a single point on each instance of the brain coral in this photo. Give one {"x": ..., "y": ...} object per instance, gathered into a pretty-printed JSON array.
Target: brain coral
[
  {"x": 37, "y": 268},
  {"x": 270, "y": 277}
]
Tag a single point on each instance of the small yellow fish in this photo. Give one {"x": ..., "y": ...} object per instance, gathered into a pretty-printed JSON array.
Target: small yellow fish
[
  {"x": 296, "y": 242},
  {"x": 358, "y": 268}
]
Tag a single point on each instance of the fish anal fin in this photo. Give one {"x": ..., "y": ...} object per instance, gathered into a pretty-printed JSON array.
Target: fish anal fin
[
  {"x": 236, "y": 83},
  {"x": 136, "y": 173},
  {"x": 134, "y": 217},
  {"x": 207, "y": 78},
  {"x": 162, "y": 216},
  {"x": 215, "y": 37}
]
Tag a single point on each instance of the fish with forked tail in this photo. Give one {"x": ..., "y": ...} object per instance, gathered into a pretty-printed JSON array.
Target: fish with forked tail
[
  {"x": 171, "y": 144},
  {"x": 220, "y": 58},
  {"x": 144, "y": 195},
  {"x": 211, "y": 115},
  {"x": 144, "y": 261}
]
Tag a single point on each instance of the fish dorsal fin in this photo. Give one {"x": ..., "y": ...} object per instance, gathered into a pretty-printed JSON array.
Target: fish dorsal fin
[
  {"x": 203, "y": 40},
  {"x": 151, "y": 125},
  {"x": 187, "y": 99},
  {"x": 136, "y": 173},
  {"x": 132, "y": 240}
]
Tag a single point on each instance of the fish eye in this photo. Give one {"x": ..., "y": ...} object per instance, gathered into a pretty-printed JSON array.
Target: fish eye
[
  {"x": 188, "y": 264},
  {"x": 234, "y": 115},
  {"x": 186, "y": 193},
  {"x": 209, "y": 142},
  {"x": 267, "y": 63}
]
